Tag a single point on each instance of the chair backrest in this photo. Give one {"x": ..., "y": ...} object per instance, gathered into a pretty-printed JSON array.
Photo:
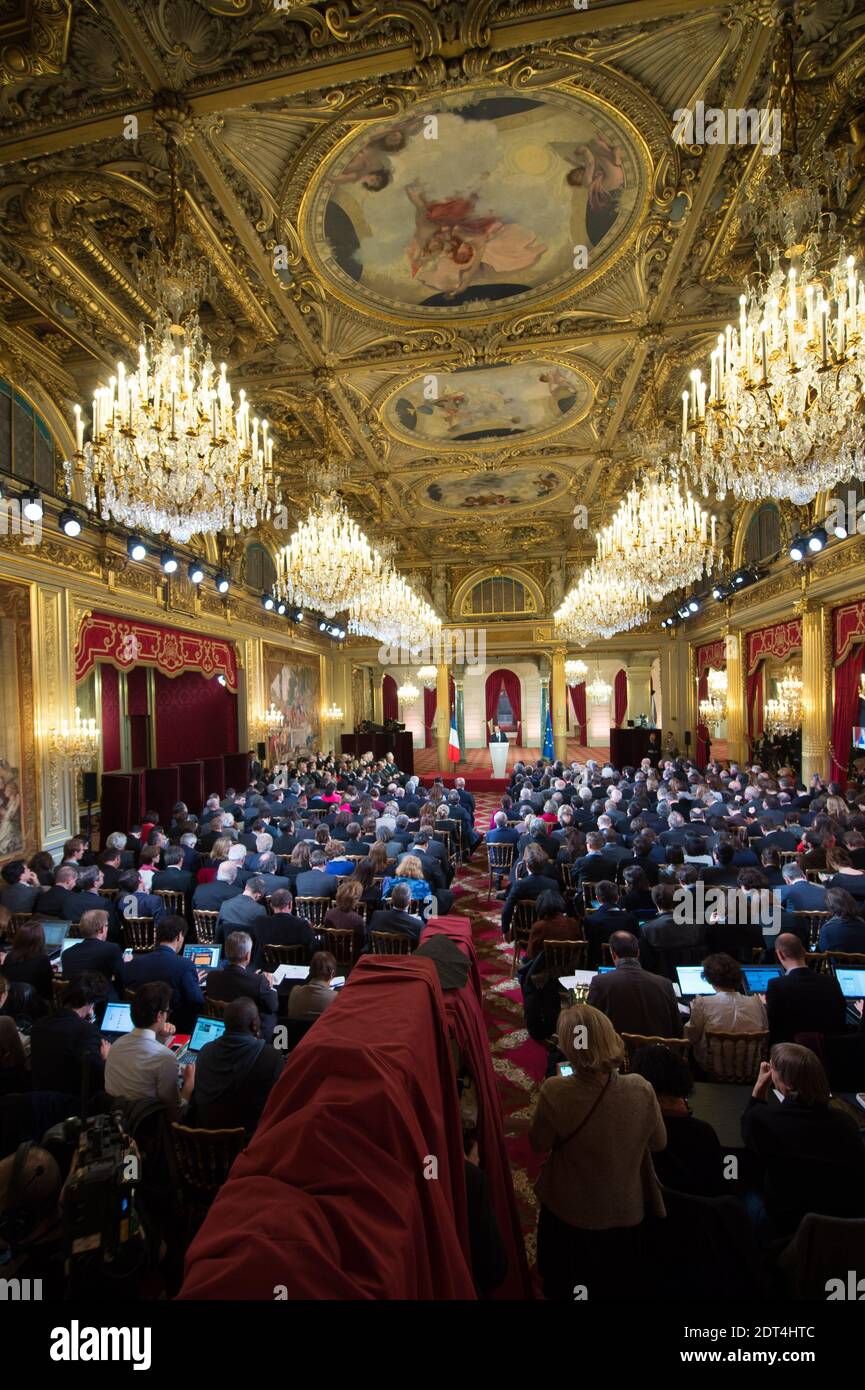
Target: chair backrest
[
  {"x": 174, "y": 901},
  {"x": 845, "y": 958},
  {"x": 205, "y": 926},
  {"x": 735, "y": 1057},
  {"x": 589, "y": 890},
  {"x": 312, "y": 909},
  {"x": 204, "y": 1156},
  {"x": 567, "y": 877},
  {"x": 788, "y": 855},
  {"x": 525, "y": 912},
  {"x": 17, "y": 919},
  {"x": 500, "y": 856},
  {"x": 564, "y": 957},
  {"x": 386, "y": 943},
  {"x": 811, "y": 922},
  {"x": 813, "y": 875},
  {"x": 109, "y": 893},
  {"x": 215, "y": 1008},
  {"x": 58, "y": 991},
  {"x": 340, "y": 941},
  {"x": 139, "y": 933},
  {"x": 634, "y": 1041},
  {"x": 819, "y": 961},
  {"x": 276, "y": 954}
]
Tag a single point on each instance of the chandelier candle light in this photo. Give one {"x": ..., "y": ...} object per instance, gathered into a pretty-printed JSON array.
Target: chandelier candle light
[
  {"x": 428, "y": 677},
  {"x": 784, "y": 714},
  {"x": 575, "y": 670},
  {"x": 713, "y": 710},
  {"x": 408, "y": 694},
  {"x": 77, "y": 743},
  {"x": 660, "y": 539},
  {"x": 599, "y": 691},
  {"x": 601, "y": 604}
]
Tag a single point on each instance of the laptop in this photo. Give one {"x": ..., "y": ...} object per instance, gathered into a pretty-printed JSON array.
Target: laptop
[
  {"x": 55, "y": 933},
  {"x": 206, "y": 1030},
  {"x": 692, "y": 981},
  {"x": 116, "y": 1021},
  {"x": 203, "y": 957},
  {"x": 757, "y": 977},
  {"x": 852, "y": 981}
]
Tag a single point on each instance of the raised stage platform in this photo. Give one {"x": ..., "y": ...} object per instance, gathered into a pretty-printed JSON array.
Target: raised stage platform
[{"x": 478, "y": 772}]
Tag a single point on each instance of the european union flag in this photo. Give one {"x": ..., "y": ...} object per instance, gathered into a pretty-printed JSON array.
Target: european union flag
[{"x": 548, "y": 737}]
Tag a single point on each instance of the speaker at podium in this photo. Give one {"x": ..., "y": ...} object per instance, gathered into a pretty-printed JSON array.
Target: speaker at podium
[{"x": 499, "y": 759}]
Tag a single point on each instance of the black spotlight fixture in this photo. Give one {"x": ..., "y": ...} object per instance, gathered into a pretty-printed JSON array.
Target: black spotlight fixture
[
  {"x": 797, "y": 549},
  {"x": 135, "y": 548},
  {"x": 195, "y": 572},
  {"x": 280, "y": 608},
  {"x": 839, "y": 528},
  {"x": 322, "y": 627},
  {"x": 297, "y": 615},
  {"x": 69, "y": 523},
  {"x": 268, "y": 602},
  {"x": 222, "y": 582},
  {"x": 31, "y": 504},
  {"x": 168, "y": 561},
  {"x": 693, "y": 605},
  {"x": 684, "y": 611},
  {"x": 817, "y": 539},
  {"x": 741, "y": 577}
]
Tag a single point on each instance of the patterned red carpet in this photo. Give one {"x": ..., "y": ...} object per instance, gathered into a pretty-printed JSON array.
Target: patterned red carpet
[{"x": 519, "y": 1063}]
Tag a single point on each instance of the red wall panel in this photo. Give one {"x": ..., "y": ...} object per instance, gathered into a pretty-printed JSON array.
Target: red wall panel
[
  {"x": 196, "y": 717},
  {"x": 110, "y": 718}
]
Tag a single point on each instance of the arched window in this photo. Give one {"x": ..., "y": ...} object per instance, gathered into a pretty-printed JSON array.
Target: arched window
[
  {"x": 27, "y": 447},
  {"x": 497, "y": 597},
  {"x": 763, "y": 536},
  {"x": 260, "y": 569}
]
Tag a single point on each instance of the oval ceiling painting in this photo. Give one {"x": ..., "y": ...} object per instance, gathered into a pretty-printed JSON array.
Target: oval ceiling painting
[
  {"x": 478, "y": 405},
  {"x": 505, "y": 490},
  {"x": 476, "y": 200}
]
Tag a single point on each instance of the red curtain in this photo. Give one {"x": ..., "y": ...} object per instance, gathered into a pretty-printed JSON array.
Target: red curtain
[
  {"x": 511, "y": 683},
  {"x": 111, "y": 756},
  {"x": 754, "y": 701},
  {"x": 620, "y": 696},
  {"x": 578, "y": 700},
  {"x": 846, "y": 708},
  {"x": 702, "y": 731},
  {"x": 389, "y": 701},
  {"x": 195, "y": 718}
]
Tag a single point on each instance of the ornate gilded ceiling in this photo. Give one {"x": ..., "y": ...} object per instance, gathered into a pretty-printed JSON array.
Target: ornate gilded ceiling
[{"x": 465, "y": 227}]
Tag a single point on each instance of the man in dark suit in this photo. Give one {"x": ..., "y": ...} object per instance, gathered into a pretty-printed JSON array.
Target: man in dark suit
[
  {"x": 174, "y": 876},
  {"x": 209, "y": 897},
  {"x": 396, "y": 918},
  {"x": 165, "y": 963},
  {"x": 502, "y": 833},
  {"x": 466, "y": 798},
  {"x": 602, "y": 922},
  {"x": 592, "y": 866},
  {"x": 537, "y": 835},
  {"x": 497, "y": 736},
  {"x": 538, "y": 880},
  {"x": 316, "y": 882},
  {"x": 431, "y": 872},
  {"x": 84, "y": 898},
  {"x": 21, "y": 887},
  {"x": 236, "y": 979},
  {"x": 67, "y": 1040},
  {"x": 282, "y": 928},
  {"x": 95, "y": 954},
  {"x": 243, "y": 912},
  {"x": 801, "y": 1001},
  {"x": 633, "y": 1000},
  {"x": 55, "y": 902},
  {"x": 673, "y": 930},
  {"x": 110, "y": 862}
]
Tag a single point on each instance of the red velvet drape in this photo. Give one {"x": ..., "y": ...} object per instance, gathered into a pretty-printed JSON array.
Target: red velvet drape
[
  {"x": 511, "y": 682},
  {"x": 754, "y": 701},
  {"x": 578, "y": 700},
  {"x": 389, "y": 701},
  {"x": 620, "y": 697},
  {"x": 846, "y": 707},
  {"x": 111, "y": 756},
  {"x": 702, "y": 755},
  {"x": 195, "y": 718}
]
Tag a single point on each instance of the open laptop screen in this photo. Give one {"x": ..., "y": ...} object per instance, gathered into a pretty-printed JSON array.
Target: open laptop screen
[
  {"x": 203, "y": 957},
  {"x": 757, "y": 977},
  {"x": 692, "y": 981},
  {"x": 206, "y": 1030},
  {"x": 852, "y": 982},
  {"x": 117, "y": 1019}
]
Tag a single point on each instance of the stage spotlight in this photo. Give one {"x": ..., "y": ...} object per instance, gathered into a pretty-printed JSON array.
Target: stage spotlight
[
  {"x": 817, "y": 539},
  {"x": 298, "y": 616},
  {"x": 839, "y": 529},
  {"x": 69, "y": 523},
  {"x": 797, "y": 549},
  {"x": 268, "y": 602},
  {"x": 221, "y": 680},
  {"x": 683, "y": 611},
  {"x": 195, "y": 572},
  {"x": 135, "y": 548},
  {"x": 280, "y": 608},
  {"x": 168, "y": 561},
  {"x": 222, "y": 582},
  {"x": 693, "y": 605},
  {"x": 740, "y": 577},
  {"x": 322, "y": 627},
  {"x": 31, "y": 505}
]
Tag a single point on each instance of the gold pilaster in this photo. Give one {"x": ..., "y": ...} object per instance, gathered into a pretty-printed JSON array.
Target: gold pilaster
[
  {"x": 443, "y": 723},
  {"x": 737, "y": 743},
  {"x": 816, "y": 706},
  {"x": 558, "y": 695}
]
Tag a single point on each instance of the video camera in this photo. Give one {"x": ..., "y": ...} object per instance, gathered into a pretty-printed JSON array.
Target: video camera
[{"x": 100, "y": 1221}]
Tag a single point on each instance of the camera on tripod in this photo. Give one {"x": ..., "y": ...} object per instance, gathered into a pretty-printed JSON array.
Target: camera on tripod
[{"x": 99, "y": 1214}]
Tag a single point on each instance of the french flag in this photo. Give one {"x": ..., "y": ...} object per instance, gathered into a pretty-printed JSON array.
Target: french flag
[{"x": 454, "y": 741}]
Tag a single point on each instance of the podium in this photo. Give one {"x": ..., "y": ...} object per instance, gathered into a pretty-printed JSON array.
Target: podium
[{"x": 499, "y": 758}]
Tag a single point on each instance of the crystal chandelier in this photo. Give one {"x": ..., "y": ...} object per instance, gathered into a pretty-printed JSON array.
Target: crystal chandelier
[
  {"x": 784, "y": 714},
  {"x": 599, "y": 691},
  {"x": 77, "y": 744},
  {"x": 387, "y": 608},
  {"x": 601, "y": 604},
  {"x": 781, "y": 415},
  {"x": 575, "y": 671},
  {"x": 331, "y": 714},
  {"x": 713, "y": 709},
  {"x": 660, "y": 538},
  {"x": 169, "y": 450},
  {"x": 428, "y": 677},
  {"x": 326, "y": 560},
  {"x": 408, "y": 694}
]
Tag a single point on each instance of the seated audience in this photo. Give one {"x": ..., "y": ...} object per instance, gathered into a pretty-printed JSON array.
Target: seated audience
[
  {"x": 398, "y": 917},
  {"x": 801, "y": 1000},
  {"x": 728, "y": 1010},
  {"x": 235, "y": 1073},
  {"x": 165, "y": 964},
  {"x": 693, "y": 1160},
  {"x": 634, "y": 1000},
  {"x": 26, "y": 962},
  {"x": 552, "y": 922},
  {"x": 67, "y": 1041},
  {"x": 607, "y": 917},
  {"x": 311, "y": 998},
  {"x": 95, "y": 954},
  {"x": 281, "y": 927},
  {"x": 139, "y": 1065},
  {"x": 236, "y": 978},
  {"x": 21, "y": 887}
]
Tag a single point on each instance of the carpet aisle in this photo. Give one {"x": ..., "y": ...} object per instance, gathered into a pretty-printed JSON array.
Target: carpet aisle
[{"x": 519, "y": 1063}]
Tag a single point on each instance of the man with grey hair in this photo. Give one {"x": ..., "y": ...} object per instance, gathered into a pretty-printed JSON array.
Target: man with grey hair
[
  {"x": 209, "y": 897},
  {"x": 117, "y": 840},
  {"x": 797, "y": 894},
  {"x": 236, "y": 979},
  {"x": 244, "y": 910},
  {"x": 397, "y": 918}
]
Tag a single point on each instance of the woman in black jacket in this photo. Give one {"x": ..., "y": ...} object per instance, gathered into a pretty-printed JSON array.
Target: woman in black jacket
[{"x": 26, "y": 961}]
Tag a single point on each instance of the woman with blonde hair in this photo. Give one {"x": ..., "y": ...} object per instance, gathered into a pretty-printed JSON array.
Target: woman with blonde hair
[
  {"x": 408, "y": 870},
  {"x": 219, "y": 851},
  {"x": 598, "y": 1127}
]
